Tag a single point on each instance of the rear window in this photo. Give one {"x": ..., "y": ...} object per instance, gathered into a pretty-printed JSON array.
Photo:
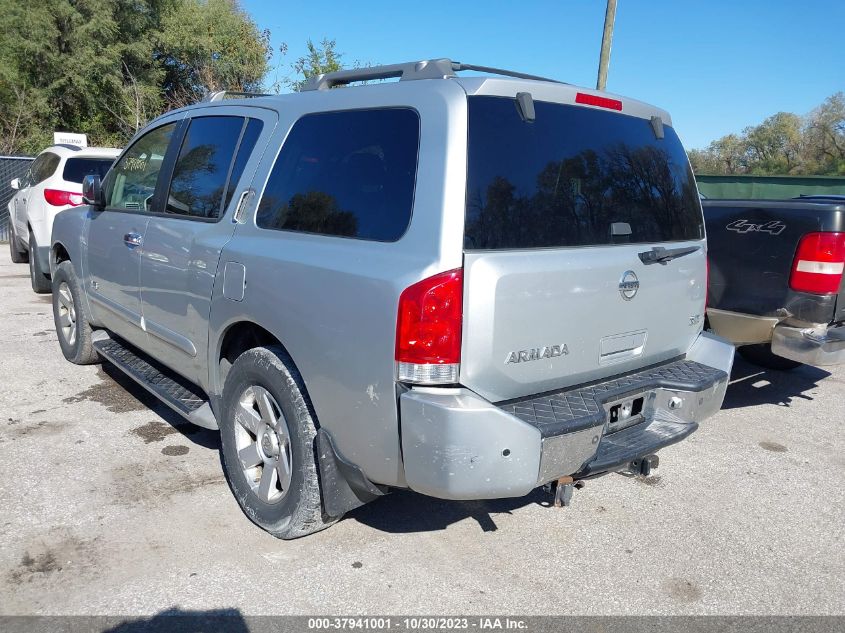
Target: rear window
[
  {"x": 77, "y": 168},
  {"x": 348, "y": 174},
  {"x": 570, "y": 176}
]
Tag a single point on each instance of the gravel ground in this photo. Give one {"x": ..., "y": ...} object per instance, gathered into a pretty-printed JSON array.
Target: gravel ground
[{"x": 110, "y": 504}]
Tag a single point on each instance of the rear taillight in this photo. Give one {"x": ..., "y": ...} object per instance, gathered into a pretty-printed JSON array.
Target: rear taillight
[
  {"x": 706, "y": 283},
  {"x": 819, "y": 263},
  {"x": 59, "y": 198},
  {"x": 428, "y": 330}
]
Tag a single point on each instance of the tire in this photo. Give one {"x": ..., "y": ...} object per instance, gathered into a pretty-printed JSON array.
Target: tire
[
  {"x": 762, "y": 355},
  {"x": 72, "y": 324},
  {"x": 39, "y": 279},
  {"x": 18, "y": 256},
  {"x": 267, "y": 435}
]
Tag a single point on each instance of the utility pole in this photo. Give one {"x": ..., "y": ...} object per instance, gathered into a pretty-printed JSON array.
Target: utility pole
[{"x": 606, "y": 40}]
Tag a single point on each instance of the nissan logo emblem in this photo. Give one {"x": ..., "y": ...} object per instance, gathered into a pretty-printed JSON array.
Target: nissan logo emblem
[{"x": 629, "y": 285}]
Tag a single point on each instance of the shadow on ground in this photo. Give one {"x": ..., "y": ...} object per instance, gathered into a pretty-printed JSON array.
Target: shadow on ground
[
  {"x": 184, "y": 621},
  {"x": 752, "y": 385},
  {"x": 173, "y": 620},
  {"x": 117, "y": 386},
  {"x": 404, "y": 511}
]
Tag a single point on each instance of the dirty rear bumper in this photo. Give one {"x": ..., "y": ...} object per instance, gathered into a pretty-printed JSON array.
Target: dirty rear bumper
[
  {"x": 457, "y": 445},
  {"x": 814, "y": 345}
]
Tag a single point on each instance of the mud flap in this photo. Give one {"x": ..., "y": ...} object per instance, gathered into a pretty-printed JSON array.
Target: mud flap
[{"x": 344, "y": 485}]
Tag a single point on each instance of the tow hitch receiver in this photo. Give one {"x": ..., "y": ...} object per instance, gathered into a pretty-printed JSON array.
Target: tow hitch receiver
[
  {"x": 562, "y": 490},
  {"x": 644, "y": 465}
]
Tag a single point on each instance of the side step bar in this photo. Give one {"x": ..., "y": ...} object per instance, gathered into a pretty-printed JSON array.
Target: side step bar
[{"x": 184, "y": 398}]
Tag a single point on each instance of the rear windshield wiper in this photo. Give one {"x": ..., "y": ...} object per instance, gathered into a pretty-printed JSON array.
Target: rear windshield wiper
[{"x": 660, "y": 255}]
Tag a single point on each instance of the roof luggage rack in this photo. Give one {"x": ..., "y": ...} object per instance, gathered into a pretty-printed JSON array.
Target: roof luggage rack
[
  {"x": 409, "y": 71},
  {"x": 223, "y": 94}
]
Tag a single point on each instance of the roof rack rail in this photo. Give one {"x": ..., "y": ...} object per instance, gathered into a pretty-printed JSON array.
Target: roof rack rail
[
  {"x": 428, "y": 69},
  {"x": 458, "y": 66},
  {"x": 73, "y": 148},
  {"x": 223, "y": 94}
]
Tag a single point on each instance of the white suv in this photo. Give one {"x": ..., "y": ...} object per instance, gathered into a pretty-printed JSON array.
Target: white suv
[{"x": 52, "y": 184}]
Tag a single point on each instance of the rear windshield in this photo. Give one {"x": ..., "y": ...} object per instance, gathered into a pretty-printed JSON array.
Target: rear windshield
[
  {"x": 575, "y": 176},
  {"x": 77, "y": 168}
]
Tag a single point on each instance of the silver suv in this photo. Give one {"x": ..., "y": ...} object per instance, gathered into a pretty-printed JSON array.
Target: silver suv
[{"x": 469, "y": 287}]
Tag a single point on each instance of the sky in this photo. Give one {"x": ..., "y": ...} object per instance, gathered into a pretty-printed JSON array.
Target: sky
[{"x": 716, "y": 65}]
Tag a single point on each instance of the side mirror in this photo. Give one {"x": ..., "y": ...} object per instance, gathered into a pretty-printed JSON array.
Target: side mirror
[
  {"x": 92, "y": 191},
  {"x": 15, "y": 184}
]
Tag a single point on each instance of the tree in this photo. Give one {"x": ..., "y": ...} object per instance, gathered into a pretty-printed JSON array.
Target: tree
[
  {"x": 727, "y": 155},
  {"x": 783, "y": 144},
  {"x": 105, "y": 67},
  {"x": 319, "y": 60},
  {"x": 775, "y": 144},
  {"x": 825, "y": 135},
  {"x": 211, "y": 45}
]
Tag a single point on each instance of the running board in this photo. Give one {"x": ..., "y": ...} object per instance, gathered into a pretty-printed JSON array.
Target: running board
[{"x": 184, "y": 398}]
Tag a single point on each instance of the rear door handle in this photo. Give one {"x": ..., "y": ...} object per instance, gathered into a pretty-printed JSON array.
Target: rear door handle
[{"x": 133, "y": 240}]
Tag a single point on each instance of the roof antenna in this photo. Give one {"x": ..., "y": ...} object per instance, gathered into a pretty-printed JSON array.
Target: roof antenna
[{"x": 525, "y": 103}]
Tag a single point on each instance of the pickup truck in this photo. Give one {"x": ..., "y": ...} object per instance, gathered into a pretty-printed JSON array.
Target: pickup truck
[{"x": 776, "y": 283}]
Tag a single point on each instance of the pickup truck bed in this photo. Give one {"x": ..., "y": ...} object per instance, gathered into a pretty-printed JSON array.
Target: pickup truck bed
[{"x": 752, "y": 246}]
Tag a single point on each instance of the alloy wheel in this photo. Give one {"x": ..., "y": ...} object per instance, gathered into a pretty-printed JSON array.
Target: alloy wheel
[
  {"x": 262, "y": 440},
  {"x": 67, "y": 314}
]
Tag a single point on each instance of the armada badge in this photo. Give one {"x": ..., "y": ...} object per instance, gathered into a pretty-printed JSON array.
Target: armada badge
[
  {"x": 629, "y": 285},
  {"x": 537, "y": 353}
]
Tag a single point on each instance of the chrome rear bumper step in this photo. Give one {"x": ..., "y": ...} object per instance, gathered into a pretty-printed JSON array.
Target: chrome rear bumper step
[
  {"x": 578, "y": 408},
  {"x": 617, "y": 450}
]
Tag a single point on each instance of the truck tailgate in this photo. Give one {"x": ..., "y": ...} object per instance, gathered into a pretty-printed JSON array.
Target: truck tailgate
[{"x": 751, "y": 247}]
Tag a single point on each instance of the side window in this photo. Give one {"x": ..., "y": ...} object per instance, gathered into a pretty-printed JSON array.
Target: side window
[
  {"x": 29, "y": 180},
  {"x": 349, "y": 174},
  {"x": 132, "y": 182},
  {"x": 48, "y": 167},
  {"x": 42, "y": 168},
  {"x": 202, "y": 169},
  {"x": 248, "y": 140}
]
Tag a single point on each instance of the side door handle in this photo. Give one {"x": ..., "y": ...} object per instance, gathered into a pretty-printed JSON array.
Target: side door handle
[{"x": 133, "y": 240}]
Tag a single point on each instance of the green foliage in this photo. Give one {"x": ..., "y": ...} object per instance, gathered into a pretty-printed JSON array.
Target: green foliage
[
  {"x": 211, "y": 46},
  {"x": 106, "y": 67},
  {"x": 319, "y": 59},
  {"x": 783, "y": 144}
]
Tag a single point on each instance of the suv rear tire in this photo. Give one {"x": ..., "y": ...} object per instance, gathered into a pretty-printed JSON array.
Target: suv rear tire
[
  {"x": 762, "y": 355},
  {"x": 267, "y": 435},
  {"x": 72, "y": 325},
  {"x": 40, "y": 281},
  {"x": 18, "y": 256}
]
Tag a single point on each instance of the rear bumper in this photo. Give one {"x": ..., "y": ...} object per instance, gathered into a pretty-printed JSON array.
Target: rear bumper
[
  {"x": 456, "y": 445},
  {"x": 816, "y": 345},
  {"x": 742, "y": 329}
]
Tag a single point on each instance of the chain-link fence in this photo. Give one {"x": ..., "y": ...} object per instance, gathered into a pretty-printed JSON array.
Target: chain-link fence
[{"x": 11, "y": 167}]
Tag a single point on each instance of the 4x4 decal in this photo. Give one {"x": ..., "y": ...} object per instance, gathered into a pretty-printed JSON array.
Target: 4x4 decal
[{"x": 773, "y": 227}]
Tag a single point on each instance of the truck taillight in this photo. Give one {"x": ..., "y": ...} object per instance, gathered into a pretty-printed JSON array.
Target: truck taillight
[
  {"x": 428, "y": 330},
  {"x": 819, "y": 263},
  {"x": 59, "y": 198}
]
